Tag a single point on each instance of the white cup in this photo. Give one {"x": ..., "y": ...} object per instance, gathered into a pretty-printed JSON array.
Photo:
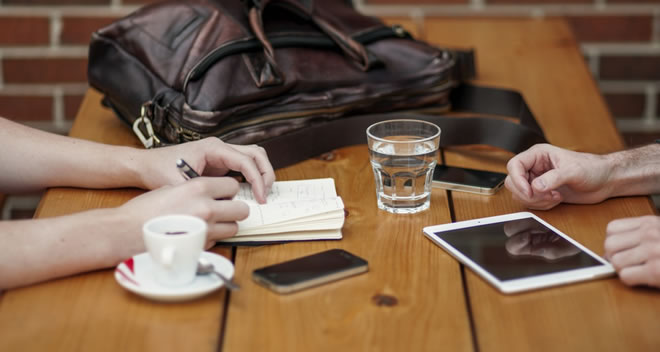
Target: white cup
[{"x": 175, "y": 243}]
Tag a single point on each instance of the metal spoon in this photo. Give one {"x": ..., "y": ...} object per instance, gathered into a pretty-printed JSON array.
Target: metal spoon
[{"x": 204, "y": 266}]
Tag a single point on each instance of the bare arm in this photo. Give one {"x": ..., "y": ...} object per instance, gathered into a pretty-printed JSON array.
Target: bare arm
[
  {"x": 635, "y": 171},
  {"x": 36, "y": 250},
  {"x": 33, "y": 160}
]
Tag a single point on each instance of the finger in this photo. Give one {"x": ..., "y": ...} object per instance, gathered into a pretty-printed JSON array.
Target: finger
[
  {"x": 246, "y": 165},
  {"x": 261, "y": 160},
  {"x": 548, "y": 181},
  {"x": 623, "y": 225},
  {"x": 212, "y": 187},
  {"x": 228, "y": 211},
  {"x": 621, "y": 242},
  {"x": 539, "y": 202},
  {"x": 647, "y": 274},
  {"x": 221, "y": 230},
  {"x": 629, "y": 257},
  {"x": 518, "y": 178},
  {"x": 514, "y": 188}
]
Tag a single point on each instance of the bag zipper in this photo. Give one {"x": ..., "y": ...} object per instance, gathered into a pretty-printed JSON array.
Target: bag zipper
[
  {"x": 283, "y": 41},
  {"x": 189, "y": 135}
]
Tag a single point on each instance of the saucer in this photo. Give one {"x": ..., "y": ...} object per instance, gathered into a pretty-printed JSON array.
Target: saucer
[{"x": 135, "y": 274}]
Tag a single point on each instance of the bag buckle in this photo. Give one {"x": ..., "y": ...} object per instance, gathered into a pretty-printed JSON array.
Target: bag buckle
[{"x": 151, "y": 140}]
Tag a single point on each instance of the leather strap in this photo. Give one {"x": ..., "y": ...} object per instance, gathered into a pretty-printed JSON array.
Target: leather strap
[{"x": 502, "y": 133}]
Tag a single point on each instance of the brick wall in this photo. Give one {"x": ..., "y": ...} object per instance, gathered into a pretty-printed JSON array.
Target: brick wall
[
  {"x": 43, "y": 48},
  {"x": 620, "y": 40}
]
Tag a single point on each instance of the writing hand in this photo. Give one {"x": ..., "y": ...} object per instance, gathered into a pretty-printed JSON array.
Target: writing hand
[
  {"x": 196, "y": 197},
  {"x": 210, "y": 157}
]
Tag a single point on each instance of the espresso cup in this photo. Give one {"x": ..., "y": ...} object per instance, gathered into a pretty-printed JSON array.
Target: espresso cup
[{"x": 175, "y": 243}]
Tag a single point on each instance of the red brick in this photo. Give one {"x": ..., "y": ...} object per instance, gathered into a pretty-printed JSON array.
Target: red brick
[
  {"x": 633, "y": 1},
  {"x": 78, "y": 30},
  {"x": 26, "y": 108},
  {"x": 538, "y": 2},
  {"x": 626, "y": 104},
  {"x": 612, "y": 28},
  {"x": 71, "y": 105},
  {"x": 630, "y": 68},
  {"x": 56, "y": 2},
  {"x": 415, "y": 2},
  {"x": 24, "y": 30},
  {"x": 46, "y": 70},
  {"x": 635, "y": 139}
]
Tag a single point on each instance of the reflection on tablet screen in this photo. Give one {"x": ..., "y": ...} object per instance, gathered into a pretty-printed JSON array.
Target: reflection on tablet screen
[{"x": 517, "y": 249}]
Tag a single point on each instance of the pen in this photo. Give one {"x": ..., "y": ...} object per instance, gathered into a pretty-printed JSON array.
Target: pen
[
  {"x": 203, "y": 267},
  {"x": 185, "y": 169}
]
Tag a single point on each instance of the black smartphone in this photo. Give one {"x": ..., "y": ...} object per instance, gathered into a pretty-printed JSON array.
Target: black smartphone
[
  {"x": 467, "y": 180},
  {"x": 312, "y": 270}
]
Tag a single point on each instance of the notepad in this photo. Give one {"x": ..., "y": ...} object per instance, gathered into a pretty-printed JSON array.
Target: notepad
[{"x": 294, "y": 211}]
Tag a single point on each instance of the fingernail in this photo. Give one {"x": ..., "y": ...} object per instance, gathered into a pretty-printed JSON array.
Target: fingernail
[{"x": 540, "y": 184}]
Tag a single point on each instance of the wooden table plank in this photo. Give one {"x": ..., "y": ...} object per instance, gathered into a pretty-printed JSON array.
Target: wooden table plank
[
  {"x": 345, "y": 315},
  {"x": 91, "y": 312},
  {"x": 550, "y": 72},
  {"x": 404, "y": 265}
]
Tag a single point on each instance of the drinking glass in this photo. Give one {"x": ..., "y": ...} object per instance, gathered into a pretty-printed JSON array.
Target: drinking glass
[{"x": 403, "y": 155}]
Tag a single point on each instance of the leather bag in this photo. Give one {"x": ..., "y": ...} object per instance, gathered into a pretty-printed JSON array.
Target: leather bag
[{"x": 299, "y": 77}]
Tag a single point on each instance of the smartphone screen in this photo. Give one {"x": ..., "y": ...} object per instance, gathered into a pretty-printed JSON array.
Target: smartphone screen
[
  {"x": 310, "y": 271},
  {"x": 467, "y": 180}
]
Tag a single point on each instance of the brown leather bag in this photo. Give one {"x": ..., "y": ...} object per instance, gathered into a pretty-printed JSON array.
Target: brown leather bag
[{"x": 272, "y": 72}]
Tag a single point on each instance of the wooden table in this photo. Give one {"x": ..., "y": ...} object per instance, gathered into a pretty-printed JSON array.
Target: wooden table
[{"x": 415, "y": 296}]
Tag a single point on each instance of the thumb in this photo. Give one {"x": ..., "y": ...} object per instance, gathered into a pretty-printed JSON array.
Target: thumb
[{"x": 550, "y": 180}]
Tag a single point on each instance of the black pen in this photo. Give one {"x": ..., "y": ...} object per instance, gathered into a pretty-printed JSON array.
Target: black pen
[{"x": 185, "y": 169}]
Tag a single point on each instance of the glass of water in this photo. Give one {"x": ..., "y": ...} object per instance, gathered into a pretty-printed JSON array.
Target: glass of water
[{"x": 403, "y": 155}]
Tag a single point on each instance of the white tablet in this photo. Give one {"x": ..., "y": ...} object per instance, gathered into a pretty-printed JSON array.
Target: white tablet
[{"x": 518, "y": 252}]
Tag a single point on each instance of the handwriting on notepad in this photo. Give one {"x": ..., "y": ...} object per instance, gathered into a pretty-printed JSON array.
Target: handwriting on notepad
[
  {"x": 285, "y": 191},
  {"x": 295, "y": 210},
  {"x": 264, "y": 214}
]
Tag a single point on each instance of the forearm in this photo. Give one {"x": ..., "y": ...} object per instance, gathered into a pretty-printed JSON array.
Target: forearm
[
  {"x": 635, "y": 171},
  {"x": 37, "y": 250},
  {"x": 33, "y": 160}
]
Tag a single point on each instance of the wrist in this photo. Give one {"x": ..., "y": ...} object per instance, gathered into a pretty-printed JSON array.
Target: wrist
[
  {"x": 132, "y": 165},
  {"x": 635, "y": 171},
  {"x": 120, "y": 235}
]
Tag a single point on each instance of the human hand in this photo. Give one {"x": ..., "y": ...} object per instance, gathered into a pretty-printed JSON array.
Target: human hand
[
  {"x": 209, "y": 157},
  {"x": 528, "y": 237},
  {"x": 633, "y": 247},
  {"x": 544, "y": 176},
  {"x": 208, "y": 198}
]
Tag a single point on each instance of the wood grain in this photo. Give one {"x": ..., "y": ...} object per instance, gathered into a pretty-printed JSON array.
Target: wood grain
[
  {"x": 546, "y": 66},
  {"x": 404, "y": 265},
  {"x": 91, "y": 312},
  {"x": 415, "y": 297}
]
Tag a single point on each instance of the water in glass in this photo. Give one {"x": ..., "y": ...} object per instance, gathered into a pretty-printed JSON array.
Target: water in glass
[{"x": 403, "y": 177}]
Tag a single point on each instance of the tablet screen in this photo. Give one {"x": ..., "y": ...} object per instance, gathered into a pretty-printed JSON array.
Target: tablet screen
[{"x": 517, "y": 249}]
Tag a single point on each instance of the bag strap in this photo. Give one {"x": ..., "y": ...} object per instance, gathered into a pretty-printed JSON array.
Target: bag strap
[
  {"x": 502, "y": 133},
  {"x": 351, "y": 48}
]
